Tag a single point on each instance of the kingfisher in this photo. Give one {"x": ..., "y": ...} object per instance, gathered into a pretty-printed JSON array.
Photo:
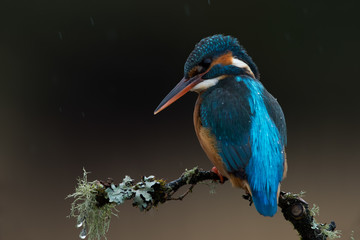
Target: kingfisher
[{"x": 239, "y": 124}]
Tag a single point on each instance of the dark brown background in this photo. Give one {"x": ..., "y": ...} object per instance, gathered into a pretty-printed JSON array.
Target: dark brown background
[{"x": 79, "y": 81}]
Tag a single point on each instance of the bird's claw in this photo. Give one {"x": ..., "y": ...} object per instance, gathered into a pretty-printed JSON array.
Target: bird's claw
[
  {"x": 216, "y": 171},
  {"x": 248, "y": 197}
]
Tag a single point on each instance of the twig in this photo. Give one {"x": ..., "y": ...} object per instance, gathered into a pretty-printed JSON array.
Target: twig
[
  {"x": 150, "y": 192},
  {"x": 183, "y": 195}
]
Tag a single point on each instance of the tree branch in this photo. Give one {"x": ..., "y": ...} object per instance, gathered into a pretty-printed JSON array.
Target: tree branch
[{"x": 94, "y": 203}]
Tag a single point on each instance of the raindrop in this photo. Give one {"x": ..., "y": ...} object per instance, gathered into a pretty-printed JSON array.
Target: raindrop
[
  {"x": 83, "y": 233},
  {"x": 187, "y": 10},
  {"x": 60, "y": 35},
  {"x": 92, "y": 21},
  {"x": 80, "y": 223}
]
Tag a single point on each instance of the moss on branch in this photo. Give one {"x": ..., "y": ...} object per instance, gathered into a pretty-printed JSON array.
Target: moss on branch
[{"x": 94, "y": 203}]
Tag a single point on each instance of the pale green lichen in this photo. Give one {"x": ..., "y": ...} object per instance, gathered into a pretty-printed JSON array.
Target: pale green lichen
[
  {"x": 324, "y": 228},
  {"x": 336, "y": 234},
  {"x": 94, "y": 220},
  {"x": 212, "y": 187},
  {"x": 188, "y": 174},
  {"x": 140, "y": 192},
  {"x": 295, "y": 195},
  {"x": 315, "y": 210},
  {"x": 352, "y": 235},
  {"x": 122, "y": 192},
  {"x": 211, "y": 184}
]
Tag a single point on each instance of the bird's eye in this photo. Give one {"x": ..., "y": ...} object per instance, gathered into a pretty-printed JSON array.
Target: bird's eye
[
  {"x": 207, "y": 62},
  {"x": 201, "y": 67}
]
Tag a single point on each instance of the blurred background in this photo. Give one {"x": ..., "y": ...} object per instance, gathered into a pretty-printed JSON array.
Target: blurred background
[{"x": 79, "y": 81}]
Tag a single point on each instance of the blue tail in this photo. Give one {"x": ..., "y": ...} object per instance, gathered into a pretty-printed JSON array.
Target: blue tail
[{"x": 265, "y": 202}]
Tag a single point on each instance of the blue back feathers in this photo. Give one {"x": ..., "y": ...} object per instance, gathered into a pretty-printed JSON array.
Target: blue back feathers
[
  {"x": 226, "y": 111},
  {"x": 250, "y": 131},
  {"x": 265, "y": 169},
  {"x": 214, "y": 46}
]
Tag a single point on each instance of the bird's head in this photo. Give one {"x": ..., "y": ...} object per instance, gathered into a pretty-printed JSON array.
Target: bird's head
[{"x": 212, "y": 59}]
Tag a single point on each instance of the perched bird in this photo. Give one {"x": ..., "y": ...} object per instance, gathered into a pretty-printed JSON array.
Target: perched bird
[{"x": 240, "y": 125}]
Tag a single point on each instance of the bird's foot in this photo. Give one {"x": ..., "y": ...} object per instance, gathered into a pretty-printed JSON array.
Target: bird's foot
[
  {"x": 248, "y": 197},
  {"x": 216, "y": 171}
]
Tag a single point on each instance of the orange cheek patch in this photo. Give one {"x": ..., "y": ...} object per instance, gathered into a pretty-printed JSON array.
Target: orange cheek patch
[
  {"x": 225, "y": 59},
  {"x": 193, "y": 71}
]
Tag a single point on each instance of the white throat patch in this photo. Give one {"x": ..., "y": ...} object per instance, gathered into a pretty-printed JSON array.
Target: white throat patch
[
  {"x": 240, "y": 64},
  {"x": 206, "y": 84}
]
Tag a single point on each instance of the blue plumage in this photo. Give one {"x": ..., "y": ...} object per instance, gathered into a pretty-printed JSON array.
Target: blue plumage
[
  {"x": 266, "y": 166},
  {"x": 240, "y": 125},
  {"x": 226, "y": 112},
  {"x": 248, "y": 139}
]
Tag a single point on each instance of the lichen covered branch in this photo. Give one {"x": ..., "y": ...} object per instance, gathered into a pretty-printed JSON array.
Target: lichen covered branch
[
  {"x": 94, "y": 203},
  {"x": 296, "y": 210}
]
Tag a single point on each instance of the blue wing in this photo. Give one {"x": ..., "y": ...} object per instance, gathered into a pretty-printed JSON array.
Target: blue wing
[
  {"x": 276, "y": 114},
  {"x": 250, "y": 132},
  {"x": 225, "y": 110}
]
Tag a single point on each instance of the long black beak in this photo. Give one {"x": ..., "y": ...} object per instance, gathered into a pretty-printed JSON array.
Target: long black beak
[{"x": 178, "y": 91}]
